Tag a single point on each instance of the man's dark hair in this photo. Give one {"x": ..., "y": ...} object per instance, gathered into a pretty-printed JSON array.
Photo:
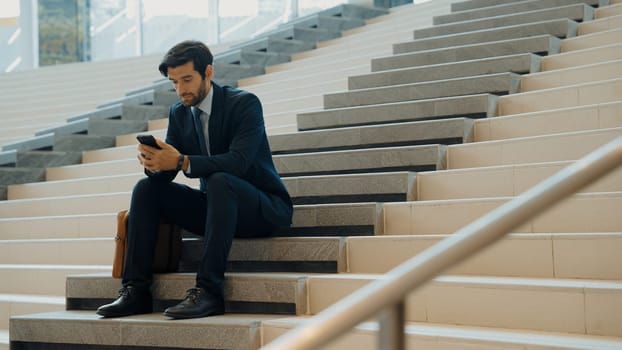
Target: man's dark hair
[{"x": 184, "y": 52}]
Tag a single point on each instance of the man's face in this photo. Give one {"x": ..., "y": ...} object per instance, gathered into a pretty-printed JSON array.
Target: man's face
[{"x": 188, "y": 83}]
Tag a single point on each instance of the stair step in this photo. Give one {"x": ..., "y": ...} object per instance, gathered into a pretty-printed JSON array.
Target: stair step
[
  {"x": 377, "y": 187},
  {"x": 263, "y": 293},
  {"x": 276, "y": 254},
  {"x": 504, "y": 9},
  {"x": 256, "y": 58},
  {"x": 81, "y": 204},
  {"x": 570, "y": 119},
  {"x": 82, "y": 330},
  {"x": 233, "y": 72},
  {"x": 351, "y": 188},
  {"x": 11, "y": 175},
  {"x": 405, "y": 158},
  {"x": 498, "y": 84},
  {"x": 114, "y": 127},
  {"x": 43, "y": 159},
  {"x": 559, "y": 27},
  {"x": 600, "y": 25},
  {"x": 143, "y": 112},
  {"x": 70, "y": 226},
  {"x": 535, "y": 149},
  {"x": 478, "y": 4},
  {"x": 566, "y": 96},
  {"x": 558, "y": 255},
  {"x": 42, "y": 279},
  {"x": 608, "y": 11},
  {"x": 74, "y": 251},
  {"x": 165, "y": 98},
  {"x": 72, "y": 143},
  {"x": 427, "y": 335},
  {"x": 591, "y": 40},
  {"x": 304, "y": 34},
  {"x": 278, "y": 45},
  {"x": 445, "y": 131},
  {"x": 498, "y": 181},
  {"x": 472, "y": 106},
  {"x": 20, "y": 304},
  {"x": 382, "y": 159},
  {"x": 541, "y": 44},
  {"x": 309, "y": 220},
  {"x": 572, "y": 306},
  {"x": 577, "y": 12},
  {"x": 582, "y": 57},
  {"x": 585, "y": 212},
  {"x": 571, "y": 76},
  {"x": 520, "y": 63}
]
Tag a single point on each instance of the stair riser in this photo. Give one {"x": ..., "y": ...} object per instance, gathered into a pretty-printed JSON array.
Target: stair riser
[
  {"x": 87, "y": 331},
  {"x": 9, "y": 309},
  {"x": 579, "y": 75},
  {"x": 560, "y": 147},
  {"x": 402, "y": 134},
  {"x": 476, "y": 106},
  {"x": 545, "y": 44},
  {"x": 500, "y": 181},
  {"x": 69, "y": 252},
  {"x": 561, "y": 28},
  {"x": 308, "y": 220},
  {"x": 115, "y": 127},
  {"x": 244, "y": 293},
  {"x": 577, "y": 12},
  {"x": 523, "y": 63},
  {"x": 83, "y": 226},
  {"x": 498, "y": 84},
  {"x": 407, "y": 158},
  {"x": 600, "y": 25},
  {"x": 573, "y": 119},
  {"x": 581, "y": 213},
  {"x": 508, "y": 9},
  {"x": 564, "y": 256},
  {"x": 41, "y": 281},
  {"x": 569, "y": 309},
  {"x": 143, "y": 113},
  {"x": 590, "y": 41}
]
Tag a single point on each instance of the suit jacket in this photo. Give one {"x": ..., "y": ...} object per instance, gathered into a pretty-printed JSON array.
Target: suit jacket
[{"x": 238, "y": 146}]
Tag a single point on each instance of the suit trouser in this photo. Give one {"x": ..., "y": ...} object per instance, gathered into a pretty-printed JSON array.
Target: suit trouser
[{"x": 229, "y": 207}]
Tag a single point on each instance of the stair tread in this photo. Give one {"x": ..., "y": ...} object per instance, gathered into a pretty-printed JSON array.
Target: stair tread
[{"x": 479, "y": 335}]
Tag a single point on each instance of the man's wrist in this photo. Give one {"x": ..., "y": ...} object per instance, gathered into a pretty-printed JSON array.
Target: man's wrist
[{"x": 180, "y": 162}]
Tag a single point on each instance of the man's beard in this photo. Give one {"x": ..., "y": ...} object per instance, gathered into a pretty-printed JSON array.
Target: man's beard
[{"x": 199, "y": 96}]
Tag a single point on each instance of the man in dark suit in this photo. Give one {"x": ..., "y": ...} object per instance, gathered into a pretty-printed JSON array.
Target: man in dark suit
[{"x": 216, "y": 134}]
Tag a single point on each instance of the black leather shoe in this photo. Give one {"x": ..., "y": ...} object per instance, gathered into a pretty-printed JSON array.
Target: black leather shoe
[
  {"x": 197, "y": 303},
  {"x": 130, "y": 301}
]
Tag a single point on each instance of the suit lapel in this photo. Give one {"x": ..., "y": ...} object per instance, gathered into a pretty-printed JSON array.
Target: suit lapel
[{"x": 216, "y": 118}]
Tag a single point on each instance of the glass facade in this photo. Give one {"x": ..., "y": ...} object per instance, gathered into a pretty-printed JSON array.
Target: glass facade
[{"x": 43, "y": 32}]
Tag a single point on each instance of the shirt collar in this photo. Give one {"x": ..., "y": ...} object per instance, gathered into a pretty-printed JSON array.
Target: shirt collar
[{"x": 206, "y": 104}]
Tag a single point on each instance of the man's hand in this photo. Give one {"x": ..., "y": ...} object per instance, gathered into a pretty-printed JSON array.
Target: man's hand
[{"x": 154, "y": 159}]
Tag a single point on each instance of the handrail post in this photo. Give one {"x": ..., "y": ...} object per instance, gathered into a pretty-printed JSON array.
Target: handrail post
[{"x": 392, "y": 320}]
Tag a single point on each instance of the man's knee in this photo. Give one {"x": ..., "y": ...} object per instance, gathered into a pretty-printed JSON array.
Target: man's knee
[
  {"x": 219, "y": 184},
  {"x": 143, "y": 185}
]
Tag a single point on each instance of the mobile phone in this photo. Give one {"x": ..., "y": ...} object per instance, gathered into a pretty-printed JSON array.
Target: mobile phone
[{"x": 148, "y": 140}]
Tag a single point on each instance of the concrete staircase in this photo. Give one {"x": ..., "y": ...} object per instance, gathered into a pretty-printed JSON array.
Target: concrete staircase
[{"x": 384, "y": 164}]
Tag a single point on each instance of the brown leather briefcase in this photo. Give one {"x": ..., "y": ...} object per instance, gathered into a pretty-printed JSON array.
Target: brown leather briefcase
[{"x": 167, "y": 250}]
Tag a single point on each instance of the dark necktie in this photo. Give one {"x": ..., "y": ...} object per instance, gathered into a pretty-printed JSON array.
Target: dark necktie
[{"x": 200, "y": 125}]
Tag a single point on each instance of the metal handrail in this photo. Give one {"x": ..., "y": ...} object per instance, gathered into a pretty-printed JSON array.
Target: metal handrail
[{"x": 388, "y": 293}]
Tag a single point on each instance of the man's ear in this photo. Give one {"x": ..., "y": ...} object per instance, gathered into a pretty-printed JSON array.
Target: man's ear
[{"x": 209, "y": 71}]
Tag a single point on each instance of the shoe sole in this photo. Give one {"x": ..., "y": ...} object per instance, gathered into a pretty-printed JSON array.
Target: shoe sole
[{"x": 182, "y": 317}]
